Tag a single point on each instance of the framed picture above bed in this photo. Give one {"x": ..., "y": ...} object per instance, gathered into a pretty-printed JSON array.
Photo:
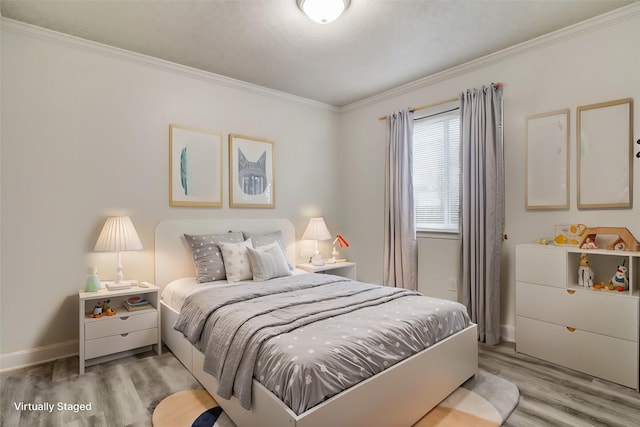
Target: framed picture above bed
[
  {"x": 195, "y": 166},
  {"x": 251, "y": 172}
]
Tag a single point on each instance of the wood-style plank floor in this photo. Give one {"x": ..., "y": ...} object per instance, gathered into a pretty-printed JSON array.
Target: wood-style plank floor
[
  {"x": 125, "y": 392},
  {"x": 551, "y": 395}
]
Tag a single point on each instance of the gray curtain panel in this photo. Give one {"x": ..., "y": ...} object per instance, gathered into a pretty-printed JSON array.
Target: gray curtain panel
[
  {"x": 481, "y": 208},
  {"x": 400, "y": 246}
]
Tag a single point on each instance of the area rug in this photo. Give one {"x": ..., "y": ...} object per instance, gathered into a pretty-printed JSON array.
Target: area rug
[
  {"x": 195, "y": 408},
  {"x": 484, "y": 400}
]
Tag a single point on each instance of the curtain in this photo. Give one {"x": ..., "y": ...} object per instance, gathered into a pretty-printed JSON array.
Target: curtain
[
  {"x": 400, "y": 246},
  {"x": 481, "y": 208}
]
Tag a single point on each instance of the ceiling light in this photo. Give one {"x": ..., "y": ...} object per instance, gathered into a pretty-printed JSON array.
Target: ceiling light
[{"x": 323, "y": 11}]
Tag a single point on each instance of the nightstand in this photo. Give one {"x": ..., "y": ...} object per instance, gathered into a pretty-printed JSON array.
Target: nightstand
[
  {"x": 344, "y": 269},
  {"x": 125, "y": 333}
]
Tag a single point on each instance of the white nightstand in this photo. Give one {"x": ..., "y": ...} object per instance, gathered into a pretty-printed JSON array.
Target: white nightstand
[
  {"x": 344, "y": 269},
  {"x": 110, "y": 337}
]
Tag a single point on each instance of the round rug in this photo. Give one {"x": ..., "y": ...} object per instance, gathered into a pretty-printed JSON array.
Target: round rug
[{"x": 190, "y": 408}]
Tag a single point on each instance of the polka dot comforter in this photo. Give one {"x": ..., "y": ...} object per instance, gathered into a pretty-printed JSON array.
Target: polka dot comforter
[{"x": 309, "y": 337}]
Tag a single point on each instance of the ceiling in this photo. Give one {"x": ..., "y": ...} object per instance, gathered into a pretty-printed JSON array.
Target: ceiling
[{"x": 375, "y": 46}]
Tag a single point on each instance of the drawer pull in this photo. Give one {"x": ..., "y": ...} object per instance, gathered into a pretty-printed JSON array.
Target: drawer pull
[
  {"x": 124, "y": 335},
  {"x": 124, "y": 318},
  {"x": 571, "y": 291},
  {"x": 571, "y": 329}
]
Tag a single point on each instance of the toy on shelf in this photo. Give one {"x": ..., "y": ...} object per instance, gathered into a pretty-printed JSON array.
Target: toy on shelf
[
  {"x": 97, "y": 312},
  {"x": 585, "y": 273},
  {"x": 568, "y": 234},
  {"x": 108, "y": 311},
  {"x": 619, "y": 280},
  {"x": 102, "y": 309},
  {"x": 589, "y": 243},
  {"x": 624, "y": 241}
]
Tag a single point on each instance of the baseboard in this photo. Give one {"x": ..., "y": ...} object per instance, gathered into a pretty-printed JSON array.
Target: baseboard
[
  {"x": 35, "y": 356},
  {"x": 508, "y": 333}
]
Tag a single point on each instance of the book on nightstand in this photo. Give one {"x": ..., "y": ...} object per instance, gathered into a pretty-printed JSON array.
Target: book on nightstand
[{"x": 136, "y": 303}]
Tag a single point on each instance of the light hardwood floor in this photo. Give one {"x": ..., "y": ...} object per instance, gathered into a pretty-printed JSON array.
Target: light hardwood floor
[
  {"x": 551, "y": 395},
  {"x": 125, "y": 392}
]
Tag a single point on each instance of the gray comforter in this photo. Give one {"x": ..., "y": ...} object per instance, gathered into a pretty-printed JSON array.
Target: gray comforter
[{"x": 308, "y": 337}]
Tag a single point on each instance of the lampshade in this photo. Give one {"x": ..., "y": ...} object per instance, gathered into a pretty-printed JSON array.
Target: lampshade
[
  {"x": 118, "y": 234},
  {"x": 316, "y": 230},
  {"x": 323, "y": 11}
]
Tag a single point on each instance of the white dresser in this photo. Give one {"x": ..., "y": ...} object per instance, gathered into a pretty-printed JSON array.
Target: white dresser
[{"x": 589, "y": 330}]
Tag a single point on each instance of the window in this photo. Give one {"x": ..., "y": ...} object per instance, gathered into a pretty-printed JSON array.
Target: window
[{"x": 436, "y": 171}]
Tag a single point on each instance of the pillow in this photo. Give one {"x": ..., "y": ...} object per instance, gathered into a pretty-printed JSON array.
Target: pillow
[
  {"x": 268, "y": 262},
  {"x": 266, "y": 239},
  {"x": 236, "y": 260},
  {"x": 207, "y": 256}
]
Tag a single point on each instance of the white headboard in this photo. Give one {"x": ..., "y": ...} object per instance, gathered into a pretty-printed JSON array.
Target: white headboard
[{"x": 173, "y": 258}]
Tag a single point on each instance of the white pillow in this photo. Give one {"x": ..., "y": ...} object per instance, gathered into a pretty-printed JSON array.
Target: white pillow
[
  {"x": 236, "y": 260},
  {"x": 268, "y": 262}
]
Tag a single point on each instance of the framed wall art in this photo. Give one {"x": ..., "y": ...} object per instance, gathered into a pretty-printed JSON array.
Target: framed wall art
[
  {"x": 547, "y": 160},
  {"x": 251, "y": 172},
  {"x": 605, "y": 155},
  {"x": 195, "y": 166}
]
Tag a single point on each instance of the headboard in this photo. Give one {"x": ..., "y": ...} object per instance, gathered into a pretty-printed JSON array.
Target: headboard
[{"x": 173, "y": 258}]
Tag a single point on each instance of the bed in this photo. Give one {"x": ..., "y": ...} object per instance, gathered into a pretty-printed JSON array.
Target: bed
[{"x": 397, "y": 396}]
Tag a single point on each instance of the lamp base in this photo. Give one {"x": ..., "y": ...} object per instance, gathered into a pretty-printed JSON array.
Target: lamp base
[
  {"x": 113, "y": 286},
  {"x": 317, "y": 260}
]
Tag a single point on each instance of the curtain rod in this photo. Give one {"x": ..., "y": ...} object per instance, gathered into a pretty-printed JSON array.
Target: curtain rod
[{"x": 434, "y": 104}]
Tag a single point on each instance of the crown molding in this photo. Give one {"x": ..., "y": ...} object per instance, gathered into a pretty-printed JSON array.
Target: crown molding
[
  {"x": 594, "y": 24},
  {"x": 7, "y": 24}
]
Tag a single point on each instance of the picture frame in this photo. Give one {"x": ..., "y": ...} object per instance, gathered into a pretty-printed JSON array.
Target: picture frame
[
  {"x": 251, "y": 172},
  {"x": 547, "y": 160},
  {"x": 195, "y": 166},
  {"x": 605, "y": 155}
]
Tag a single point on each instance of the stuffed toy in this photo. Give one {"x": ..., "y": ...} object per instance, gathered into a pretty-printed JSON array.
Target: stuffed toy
[
  {"x": 97, "y": 312},
  {"x": 585, "y": 273},
  {"x": 106, "y": 310},
  {"x": 619, "y": 280}
]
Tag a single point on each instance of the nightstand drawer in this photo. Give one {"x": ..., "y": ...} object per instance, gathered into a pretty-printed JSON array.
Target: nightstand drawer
[
  {"x": 108, "y": 326},
  {"x": 117, "y": 343}
]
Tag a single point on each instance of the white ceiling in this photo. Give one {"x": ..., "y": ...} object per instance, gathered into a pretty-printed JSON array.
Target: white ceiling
[{"x": 375, "y": 46}]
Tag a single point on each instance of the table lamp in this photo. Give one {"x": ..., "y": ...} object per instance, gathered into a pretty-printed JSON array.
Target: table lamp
[
  {"x": 118, "y": 234},
  {"x": 316, "y": 230}
]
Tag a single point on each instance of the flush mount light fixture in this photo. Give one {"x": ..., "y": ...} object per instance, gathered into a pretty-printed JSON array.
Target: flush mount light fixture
[{"x": 323, "y": 11}]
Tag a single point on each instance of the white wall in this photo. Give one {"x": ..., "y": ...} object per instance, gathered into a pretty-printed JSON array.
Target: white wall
[
  {"x": 85, "y": 135},
  {"x": 582, "y": 65}
]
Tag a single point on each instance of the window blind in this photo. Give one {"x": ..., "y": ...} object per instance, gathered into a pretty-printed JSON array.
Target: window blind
[{"x": 436, "y": 171}]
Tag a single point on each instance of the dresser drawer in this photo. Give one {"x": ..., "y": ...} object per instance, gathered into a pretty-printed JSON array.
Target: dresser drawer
[
  {"x": 117, "y": 343},
  {"x": 545, "y": 265},
  {"x": 605, "y": 357},
  {"x": 587, "y": 310},
  {"x": 107, "y": 326}
]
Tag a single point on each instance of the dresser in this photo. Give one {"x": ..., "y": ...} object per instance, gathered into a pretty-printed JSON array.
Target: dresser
[
  {"x": 124, "y": 333},
  {"x": 594, "y": 331}
]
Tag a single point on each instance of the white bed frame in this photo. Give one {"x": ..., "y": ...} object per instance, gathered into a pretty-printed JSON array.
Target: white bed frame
[{"x": 398, "y": 396}]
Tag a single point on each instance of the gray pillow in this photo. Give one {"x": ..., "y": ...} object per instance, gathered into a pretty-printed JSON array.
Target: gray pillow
[
  {"x": 207, "y": 255},
  {"x": 266, "y": 239},
  {"x": 268, "y": 262}
]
